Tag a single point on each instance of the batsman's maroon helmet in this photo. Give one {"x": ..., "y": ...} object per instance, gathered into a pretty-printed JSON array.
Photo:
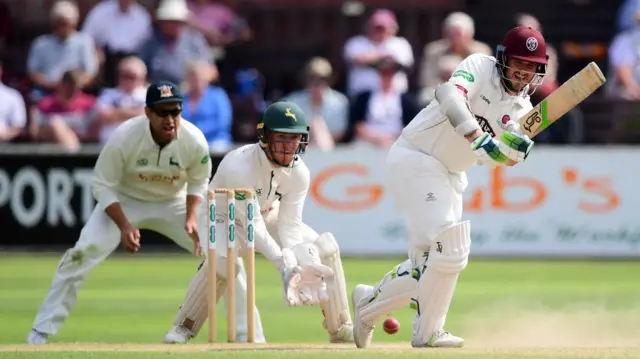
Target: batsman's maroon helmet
[
  {"x": 522, "y": 43},
  {"x": 525, "y": 43}
]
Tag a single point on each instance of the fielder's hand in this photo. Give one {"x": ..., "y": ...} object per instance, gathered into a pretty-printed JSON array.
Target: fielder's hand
[
  {"x": 191, "y": 226},
  {"x": 130, "y": 238},
  {"x": 307, "y": 285}
]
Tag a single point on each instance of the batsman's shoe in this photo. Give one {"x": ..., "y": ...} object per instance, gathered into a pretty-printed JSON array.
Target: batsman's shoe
[
  {"x": 178, "y": 335},
  {"x": 344, "y": 335},
  {"x": 362, "y": 333},
  {"x": 35, "y": 337},
  {"x": 441, "y": 339}
]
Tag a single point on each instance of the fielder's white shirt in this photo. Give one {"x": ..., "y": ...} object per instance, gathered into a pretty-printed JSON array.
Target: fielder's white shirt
[
  {"x": 431, "y": 132},
  {"x": 248, "y": 167},
  {"x": 132, "y": 164}
]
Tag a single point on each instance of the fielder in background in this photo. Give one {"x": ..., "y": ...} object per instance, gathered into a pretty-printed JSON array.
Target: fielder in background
[
  {"x": 274, "y": 169},
  {"x": 152, "y": 173},
  {"x": 472, "y": 120}
]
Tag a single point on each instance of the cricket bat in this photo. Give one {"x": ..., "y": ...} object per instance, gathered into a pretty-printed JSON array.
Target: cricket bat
[{"x": 563, "y": 99}]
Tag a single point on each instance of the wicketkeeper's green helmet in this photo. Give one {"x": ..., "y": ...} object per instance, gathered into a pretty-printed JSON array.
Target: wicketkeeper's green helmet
[{"x": 283, "y": 117}]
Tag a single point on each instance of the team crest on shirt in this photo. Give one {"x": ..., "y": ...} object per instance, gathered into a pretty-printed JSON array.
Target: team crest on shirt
[{"x": 165, "y": 91}]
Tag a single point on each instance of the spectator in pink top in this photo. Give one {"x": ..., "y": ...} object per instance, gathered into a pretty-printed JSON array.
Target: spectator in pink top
[
  {"x": 218, "y": 22},
  {"x": 65, "y": 116}
]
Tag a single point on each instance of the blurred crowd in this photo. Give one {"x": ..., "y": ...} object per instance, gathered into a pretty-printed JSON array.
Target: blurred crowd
[{"x": 89, "y": 75}]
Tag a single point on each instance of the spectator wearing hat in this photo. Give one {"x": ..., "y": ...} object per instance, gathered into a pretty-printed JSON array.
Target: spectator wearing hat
[
  {"x": 378, "y": 117},
  {"x": 65, "y": 49},
  {"x": 174, "y": 45},
  {"x": 458, "y": 30},
  {"x": 326, "y": 108},
  {"x": 380, "y": 41}
]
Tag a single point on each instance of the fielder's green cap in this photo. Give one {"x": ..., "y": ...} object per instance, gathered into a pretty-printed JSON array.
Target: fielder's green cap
[{"x": 163, "y": 92}]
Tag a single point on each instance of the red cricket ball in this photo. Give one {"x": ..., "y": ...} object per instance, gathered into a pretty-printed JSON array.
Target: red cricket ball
[{"x": 391, "y": 325}]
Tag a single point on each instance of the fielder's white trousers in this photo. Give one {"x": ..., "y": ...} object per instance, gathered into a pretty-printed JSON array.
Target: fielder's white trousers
[{"x": 98, "y": 239}]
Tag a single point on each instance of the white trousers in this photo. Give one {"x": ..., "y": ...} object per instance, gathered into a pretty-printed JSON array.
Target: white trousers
[
  {"x": 429, "y": 199},
  {"x": 426, "y": 195},
  {"x": 98, "y": 239}
]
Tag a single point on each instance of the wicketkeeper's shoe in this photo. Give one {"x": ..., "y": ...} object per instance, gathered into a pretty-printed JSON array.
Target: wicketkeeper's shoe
[
  {"x": 344, "y": 335},
  {"x": 178, "y": 335},
  {"x": 440, "y": 339},
  {"x": 36, "y": 337},
  {"x": 362, "y": 333}
]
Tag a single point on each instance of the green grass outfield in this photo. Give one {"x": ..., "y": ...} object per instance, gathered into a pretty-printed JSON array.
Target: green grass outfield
[{"x": 505, "y": 309}]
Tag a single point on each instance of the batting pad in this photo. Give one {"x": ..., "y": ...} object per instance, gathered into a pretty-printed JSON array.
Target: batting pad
[
  {"x": 193, "y": 312},
  {"x": 336, "y": 309},
  {"x": 393, "y": 292},
  {"x": 448, "y": 256}
]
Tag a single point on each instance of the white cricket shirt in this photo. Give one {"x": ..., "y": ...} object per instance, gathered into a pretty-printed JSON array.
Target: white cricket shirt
[
  {"x": 132, "y": 164},
  {"x": 431, "y": 132},
  {"x": 248, "y": 167}
]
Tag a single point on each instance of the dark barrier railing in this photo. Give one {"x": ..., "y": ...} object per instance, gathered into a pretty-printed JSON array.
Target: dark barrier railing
[{"x": 46, "y": 199}]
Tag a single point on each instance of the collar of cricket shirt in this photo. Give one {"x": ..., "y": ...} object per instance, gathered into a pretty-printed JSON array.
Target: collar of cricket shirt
[{"x": 496, "y": 79}]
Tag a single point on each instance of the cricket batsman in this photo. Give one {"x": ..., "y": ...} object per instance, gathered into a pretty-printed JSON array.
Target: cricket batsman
[
  {"x": 274, "y": 169},
  {"x": 472, "y": 120},
  {"x": 152, "y": 173}
]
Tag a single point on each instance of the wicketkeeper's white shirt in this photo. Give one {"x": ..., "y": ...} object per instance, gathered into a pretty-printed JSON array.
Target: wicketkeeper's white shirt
[{"x": 248, "y": 167}]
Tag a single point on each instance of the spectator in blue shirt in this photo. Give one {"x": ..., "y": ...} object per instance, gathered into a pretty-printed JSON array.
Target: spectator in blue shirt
[
  {"x": 627, "y": 14},
  {"x": 208, "y": 106},
  {"x": 63, "y": 50}
]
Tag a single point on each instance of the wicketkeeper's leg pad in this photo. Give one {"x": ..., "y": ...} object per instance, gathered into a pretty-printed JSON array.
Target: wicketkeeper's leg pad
[
  {"x": 448, "y": 256},
  {"x": 193, "y": 312}
]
